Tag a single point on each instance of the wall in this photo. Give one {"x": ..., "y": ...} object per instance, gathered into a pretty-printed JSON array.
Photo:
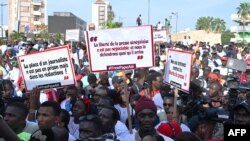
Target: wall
[{"x": 198, "y": 35}]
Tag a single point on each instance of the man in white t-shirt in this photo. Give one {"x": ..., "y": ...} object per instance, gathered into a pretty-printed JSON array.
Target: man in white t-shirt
[
  {"x": 77, "y": 55},
  {"x": 159, "y": 26}
]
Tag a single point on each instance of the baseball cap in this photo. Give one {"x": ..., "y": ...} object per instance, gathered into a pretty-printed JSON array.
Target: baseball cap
[{"x": 116, "y": 79}]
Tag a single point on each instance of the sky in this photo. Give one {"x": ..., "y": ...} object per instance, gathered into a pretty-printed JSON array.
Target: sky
[{"x": 127, "y": 11}]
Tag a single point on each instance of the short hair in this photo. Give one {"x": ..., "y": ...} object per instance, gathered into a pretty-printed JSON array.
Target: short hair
[
  {"x": 153, "y": 77},
  {"x": 93, "y": 118},
  {"x": 72, "y": 88},
  {"x": 116, "y": 115},
  {"x": 248, "y": 72},
  {"x": 92, "y": 78},
  {"x": 80, "y": 82},
  {"x": 108, "y": 100},
  {"x": 7, "y": 82},
  {"x": 140, "y": 73},
  {"x": 22, "y": 107},
  {"x": 65, "y": 117},
  {"x": 187, "y": 136},
  {"x": 56, "y": 108}
]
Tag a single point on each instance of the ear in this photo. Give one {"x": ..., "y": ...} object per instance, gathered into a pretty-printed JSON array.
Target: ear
[{"x": 57, "y": 120}]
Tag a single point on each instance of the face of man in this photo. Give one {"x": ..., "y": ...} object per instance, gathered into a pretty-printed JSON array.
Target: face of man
[
  {"x": 213, "y": 90},
  {"x": 46, "y": 117},
  {"x": 87, "y": 129},
  {"x": 78, "y": 109},
  {"x": 7, "y": 90},
  {"x": 14, "y": 118},
  {"x": 157, "y": 83},
  {"x": 146, "y": 119},
  {"x": 241, "y": 116},
  {"x": 168, "y": 102},
  {"x": 206, "y": 71},
  {"x": 247, "y": 78},
  {"x": 72, "y": 94},
  {"x": 107, "y": 119}
]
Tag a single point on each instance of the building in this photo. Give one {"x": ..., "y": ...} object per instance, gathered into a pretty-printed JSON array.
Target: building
[
  {"x": 100, "y": 10},
  {"x": 61, "y": 21},
  {"x": 27, "y": 15},
  {"x": 239, "y": 31}
]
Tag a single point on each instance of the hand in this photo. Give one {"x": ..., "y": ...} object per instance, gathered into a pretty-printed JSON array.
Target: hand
[{"x": 34, "y": 98}]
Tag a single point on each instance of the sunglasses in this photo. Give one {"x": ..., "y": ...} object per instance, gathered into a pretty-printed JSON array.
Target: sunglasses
[
  {"x": 88, "y": 118},
  {"x": 167, "y": 104}
]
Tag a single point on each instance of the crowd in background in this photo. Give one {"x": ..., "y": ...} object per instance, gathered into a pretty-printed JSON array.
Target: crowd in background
[{"x": 97, "y": 107}]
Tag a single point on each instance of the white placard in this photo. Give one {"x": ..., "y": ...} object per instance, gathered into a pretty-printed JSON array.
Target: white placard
[
  {"x": 120, "y": 49},
  {"x": 72, "y": 35},
  {"x": 178, "y": 69},
  {"x": 160, "y": 36},
  {"x": 47, "y": 69}
]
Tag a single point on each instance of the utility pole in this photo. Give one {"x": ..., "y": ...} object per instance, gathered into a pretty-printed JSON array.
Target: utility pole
[
  {"x": 148, "y": 12},
  {"x": 2, "y": 5},
  {"x": 176, "y": 15}
]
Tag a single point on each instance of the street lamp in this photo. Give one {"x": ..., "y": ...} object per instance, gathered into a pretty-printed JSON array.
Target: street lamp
[
  {"x": 2, "y": 5},
  {"x": 176, "y": 14}
]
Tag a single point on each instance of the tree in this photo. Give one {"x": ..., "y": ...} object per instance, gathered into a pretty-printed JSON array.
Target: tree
[
  {"x": 218, "y": 25},
  {"x": 16, "y": 36},
  {"x": 226, "y": 36},
  {"x": 243, "y": 12},
  {"x": 110, "y": 22},
  {"x": 211, "y": 24},
  {"x": 58, "y": 37},
  {"x": 44, "y": 35}
]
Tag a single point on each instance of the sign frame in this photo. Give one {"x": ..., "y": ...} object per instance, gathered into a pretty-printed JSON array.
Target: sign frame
[
  {"x": 45, "y": 51},
  {"x": 87, "y": 35},
  {"x": 167, "y": 78}
]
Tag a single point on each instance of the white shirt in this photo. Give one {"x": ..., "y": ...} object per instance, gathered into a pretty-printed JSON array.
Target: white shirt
[
  {"x": 159, "y": 26},
  {"x": 122, "y": 132},
  {"x": 221, "y": 54},
  {"x": 5, "y": 73},
  {"x": 30, "y": 127},
  {"x": 14, "y": 75},
  {"x": 77, "y": 56},
  {"x": 73, "y": 128},
  {"x": 71, "y": 138},
  {"x": 123, "y": 112},
  {"x": 158, "y": 101}
]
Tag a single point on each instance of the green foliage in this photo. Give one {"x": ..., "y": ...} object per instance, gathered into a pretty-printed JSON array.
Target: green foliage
[
  {"x": 226, "y": 36},
  {"x": 16, "y": 36},
  {"x": 211, "y": 24},
  {"x": 243, "y": 12},
  {"x": 43, "y": 35},
  {"x": 58, "y": 37},
  {"x": 110, "y": 22}
]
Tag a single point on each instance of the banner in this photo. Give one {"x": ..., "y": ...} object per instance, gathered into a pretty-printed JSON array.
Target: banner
[
  {"x": 72, "y": 35},
  {"x": 178, "y": 69},
  {"x": 47, "y": 69},
  {"x": 160, "y": 36},
  {"x": 120, "y": 49}
]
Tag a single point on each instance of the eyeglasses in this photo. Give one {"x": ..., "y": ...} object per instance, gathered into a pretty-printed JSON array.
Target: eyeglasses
[
  {"x": 88, "y": 118},
  {"x": 167, "y": 104}
]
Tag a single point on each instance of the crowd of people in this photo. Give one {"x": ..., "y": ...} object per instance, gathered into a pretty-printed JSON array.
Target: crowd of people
[{"x": 131, "y": 105}]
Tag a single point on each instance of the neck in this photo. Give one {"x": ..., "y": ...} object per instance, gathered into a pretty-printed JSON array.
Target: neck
[
  {"x": 155, "y": 89},
  {"x": 20, "y": 128},
  {"x": 141, "y": 81}
]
